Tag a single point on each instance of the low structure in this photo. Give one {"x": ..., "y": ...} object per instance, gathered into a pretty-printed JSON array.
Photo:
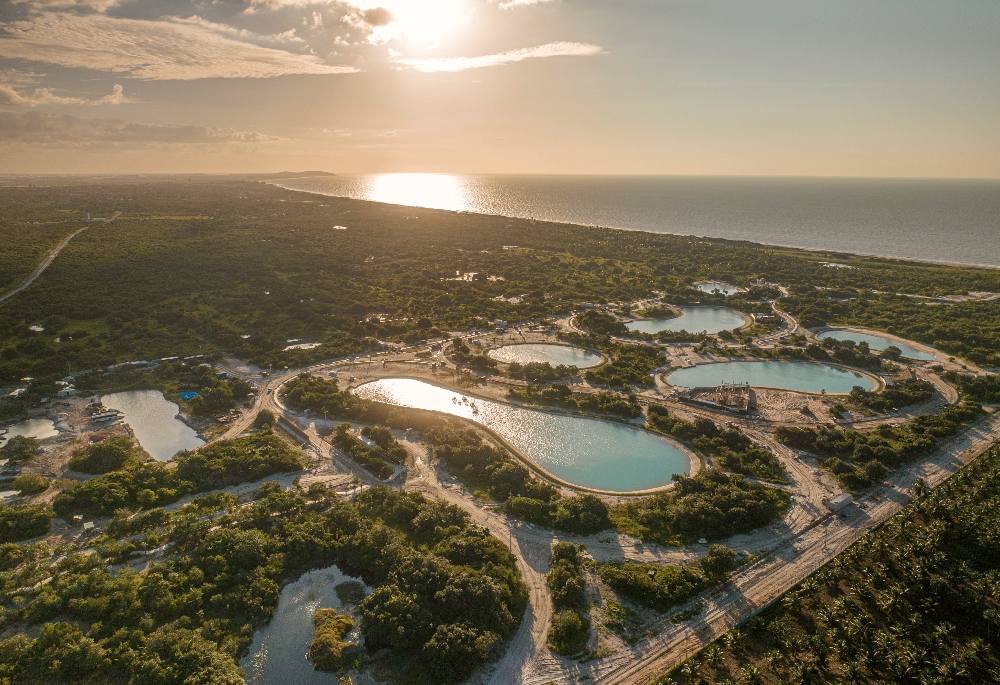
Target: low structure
[{"x": 840, "y": 502}]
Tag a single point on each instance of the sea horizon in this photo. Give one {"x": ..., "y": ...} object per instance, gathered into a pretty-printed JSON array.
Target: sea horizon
[{"x": 938, "y": 221}]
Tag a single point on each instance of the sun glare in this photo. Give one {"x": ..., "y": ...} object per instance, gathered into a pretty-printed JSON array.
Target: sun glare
[
  {"x": 421, "y": 22},
  {"x": 435, "y": 191}
]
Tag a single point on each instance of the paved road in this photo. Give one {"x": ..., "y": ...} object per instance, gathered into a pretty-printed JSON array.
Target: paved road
[{"x": 48, "y": 260}]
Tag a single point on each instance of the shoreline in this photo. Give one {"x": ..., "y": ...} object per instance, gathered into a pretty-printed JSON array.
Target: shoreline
[{"x": 815, "y": 250}]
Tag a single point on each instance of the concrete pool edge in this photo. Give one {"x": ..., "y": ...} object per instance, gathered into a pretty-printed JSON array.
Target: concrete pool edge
[
  {"x": 879, "y": 382},
  {"x": 695, "y": 462}
]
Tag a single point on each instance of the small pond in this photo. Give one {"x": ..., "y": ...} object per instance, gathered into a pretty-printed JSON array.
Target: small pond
[
  {"x": 546, "y": 352},
  {"x": 876, "y": 342},
  {"x": 278, "y": 654},
  {"x": 154, "y": 421},
  {"x": 693, "y": 319},
  {"x": 591, "y": 453},
  {"x": 801, "y": 376},
  {"x": 40, "y": 429},
  {"x": 712, "y": 286}
]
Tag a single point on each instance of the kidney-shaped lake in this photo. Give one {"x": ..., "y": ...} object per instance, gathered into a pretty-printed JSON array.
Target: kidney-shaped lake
[{"x": 590, "y": 453}]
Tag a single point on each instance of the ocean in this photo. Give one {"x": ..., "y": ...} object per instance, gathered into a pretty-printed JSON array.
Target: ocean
[{"x": 956, "y": 221}]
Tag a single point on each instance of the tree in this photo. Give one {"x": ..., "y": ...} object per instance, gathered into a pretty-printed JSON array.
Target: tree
[
  {"x": 569, "y": 632},
  {"x": 30, "y": 484},
  {"x": 110, "y": 455},
  {"x": 718, "y": 562},
  {"x": 264, "y": 419},
  {"x": 23, "y": 521},
  {"x": 20, "y": 449}
]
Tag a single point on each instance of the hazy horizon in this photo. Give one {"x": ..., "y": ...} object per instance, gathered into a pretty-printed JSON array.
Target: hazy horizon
[{"x": 540, "y": 87}]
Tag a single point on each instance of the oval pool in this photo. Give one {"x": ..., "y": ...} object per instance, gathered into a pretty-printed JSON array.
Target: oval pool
[
  {"x": 876, "y": 342},
  {"x": 802, "y": 376},
  {"x": 555, "y": 355},
  {"x": 723, "y": 288},
  {"x": 154, "y": 421},
  {"x": 590, "y": 453},
  {"x": 695, "y": 319}
]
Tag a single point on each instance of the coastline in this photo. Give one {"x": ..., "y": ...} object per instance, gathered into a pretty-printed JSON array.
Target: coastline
[{"x": 825, "y": 252}]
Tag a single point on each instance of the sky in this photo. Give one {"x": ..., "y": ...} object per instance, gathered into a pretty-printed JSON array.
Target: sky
[{"x": 693, "y": 87}]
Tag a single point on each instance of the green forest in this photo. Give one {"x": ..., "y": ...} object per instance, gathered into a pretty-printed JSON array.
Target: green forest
[
  {"x": 914, "y": 601},
  {"x": 446, "y": 593},
  {"x": 241, "y": 267}
]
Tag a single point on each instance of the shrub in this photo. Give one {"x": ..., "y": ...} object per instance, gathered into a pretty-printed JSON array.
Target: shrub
[
  {"x": 30, "y": 484},
  {"x": 264, "y": 419},
  {"x": 328, "y": 651},
  {"x": 23, "y": 521},
  {"x": 20, "y": 449},
  {"x": 569, "y": 632},
  {"x": 110, "y": 455}
]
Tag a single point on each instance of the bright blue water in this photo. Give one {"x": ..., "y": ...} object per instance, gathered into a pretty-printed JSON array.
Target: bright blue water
[
  {"x": 724, "y": 288},
  {"x": 154, "y": 421},
  {"x": 543, "y": 352},
  {"x": 700, "y": 319},
  {"x": 587, "y": 452},
  {"x": 876, "y": 342},
  {"x": 802, "y": 376},
  {"x": 936, "y": 220}
]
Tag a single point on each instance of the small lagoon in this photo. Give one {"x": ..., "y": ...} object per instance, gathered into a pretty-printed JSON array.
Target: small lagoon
[
  {"x": 800, "y": 376},
  {"x": 590, "y": 453},
  {"x": 278, "y": 654},
  {"x": 693, "y": 319},
  {"x": 723, "y": 288},
  {"x": 154, "y": 421},
  {"x": 555, "y": 355},
  {"x": 876, "y": 342},
  {"x": 40, "y": 429}
]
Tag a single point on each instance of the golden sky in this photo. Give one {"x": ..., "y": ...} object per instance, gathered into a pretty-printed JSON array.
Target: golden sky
[{"x": 846, "y": 88}]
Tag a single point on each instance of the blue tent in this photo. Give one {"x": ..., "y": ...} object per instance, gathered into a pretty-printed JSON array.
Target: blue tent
[{"x": 186, "y": 396}]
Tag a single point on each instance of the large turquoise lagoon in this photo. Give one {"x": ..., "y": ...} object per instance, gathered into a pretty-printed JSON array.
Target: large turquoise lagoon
[
  {"x": 801, "y": 376},
  {"x": 876, "y": 342},
  {"x": 694, "y": 319},
  {"x": 546, "y": 352},
  {"x": 602, "y": 455}
]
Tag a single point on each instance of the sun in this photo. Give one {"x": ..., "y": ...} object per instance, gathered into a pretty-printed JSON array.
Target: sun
[{"x": 424, "y": 23}]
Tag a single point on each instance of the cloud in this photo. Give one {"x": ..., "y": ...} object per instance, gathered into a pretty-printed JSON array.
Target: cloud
[
  {"x": 558, "y": 49},
  {"x": 152, "y": 50},
  {"x": 44, "y": 96},
  {"x": 52, "y": 130}
]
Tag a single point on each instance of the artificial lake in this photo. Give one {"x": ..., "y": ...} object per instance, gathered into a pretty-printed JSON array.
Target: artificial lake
[
  {"x": 693, "y": 319},
  {"x": 555, "y": 355},
  {"x": 590, "y": 453},
  {"x": 723, "y": 288},
  {"x": 801, "y": 376},
  {"x": 154, "y": 421},
  {"x": 876, "y": 342}
]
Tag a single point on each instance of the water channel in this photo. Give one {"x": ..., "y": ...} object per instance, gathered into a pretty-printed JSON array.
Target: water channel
[
  {"x": 546, "y": 352},
  {"x": 590, "y": 453},
  {"x": 801, "y": 376},
  {"x": 154, "y": 421},
  {"x": 876, "y": 342},
  {"x": 693, "y": 319}
]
